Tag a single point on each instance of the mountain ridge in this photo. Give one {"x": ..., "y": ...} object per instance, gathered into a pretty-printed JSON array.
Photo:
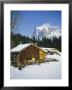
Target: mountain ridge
[{"x": 46, "y": 30}]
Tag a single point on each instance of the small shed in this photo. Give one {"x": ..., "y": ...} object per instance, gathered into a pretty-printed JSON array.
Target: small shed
[{"x": 25, "y": 54}]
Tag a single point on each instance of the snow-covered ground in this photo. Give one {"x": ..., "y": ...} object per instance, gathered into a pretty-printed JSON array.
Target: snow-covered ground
[{"x": 47, "y": 70}]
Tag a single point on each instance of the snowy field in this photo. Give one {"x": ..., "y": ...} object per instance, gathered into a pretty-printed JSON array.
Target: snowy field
[{"x": 47, "y": 70}]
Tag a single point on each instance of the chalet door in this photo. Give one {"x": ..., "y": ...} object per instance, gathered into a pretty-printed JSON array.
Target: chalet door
[
  {"x": 33, "y": 59},
  {"x": 25, "y": 62}
]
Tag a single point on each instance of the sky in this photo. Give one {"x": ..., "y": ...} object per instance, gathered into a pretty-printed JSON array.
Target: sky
[{"x": 28, "y": 20}]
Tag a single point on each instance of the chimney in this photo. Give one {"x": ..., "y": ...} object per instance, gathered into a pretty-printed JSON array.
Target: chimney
[{"x": 35, "y": 43}]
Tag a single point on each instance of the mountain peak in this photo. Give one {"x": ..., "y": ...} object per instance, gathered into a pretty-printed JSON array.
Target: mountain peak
[{"x": 47, "y": 30}]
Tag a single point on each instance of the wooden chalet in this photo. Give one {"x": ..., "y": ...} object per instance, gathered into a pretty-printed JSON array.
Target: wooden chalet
[{"x": 25, "y": 54}]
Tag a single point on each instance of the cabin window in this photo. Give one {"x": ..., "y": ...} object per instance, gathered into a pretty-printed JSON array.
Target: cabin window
[
  {"x": 14, "y": 60},
  {"x": 14, "y": 57},
  {"x": 41, "y": 55}
]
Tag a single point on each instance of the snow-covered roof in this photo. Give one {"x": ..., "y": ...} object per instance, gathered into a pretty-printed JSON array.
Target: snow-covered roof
[{"x": 20, "y": 47}]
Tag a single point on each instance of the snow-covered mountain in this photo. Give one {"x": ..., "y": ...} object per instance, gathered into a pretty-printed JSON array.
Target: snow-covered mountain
[{"x": 48, "y": 31}]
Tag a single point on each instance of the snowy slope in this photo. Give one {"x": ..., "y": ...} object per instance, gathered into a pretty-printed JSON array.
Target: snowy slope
[
  {"x": 48, "y": 31},
  {"x": 47, "y": 70},
  {"x": 51, "y": 50}
]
